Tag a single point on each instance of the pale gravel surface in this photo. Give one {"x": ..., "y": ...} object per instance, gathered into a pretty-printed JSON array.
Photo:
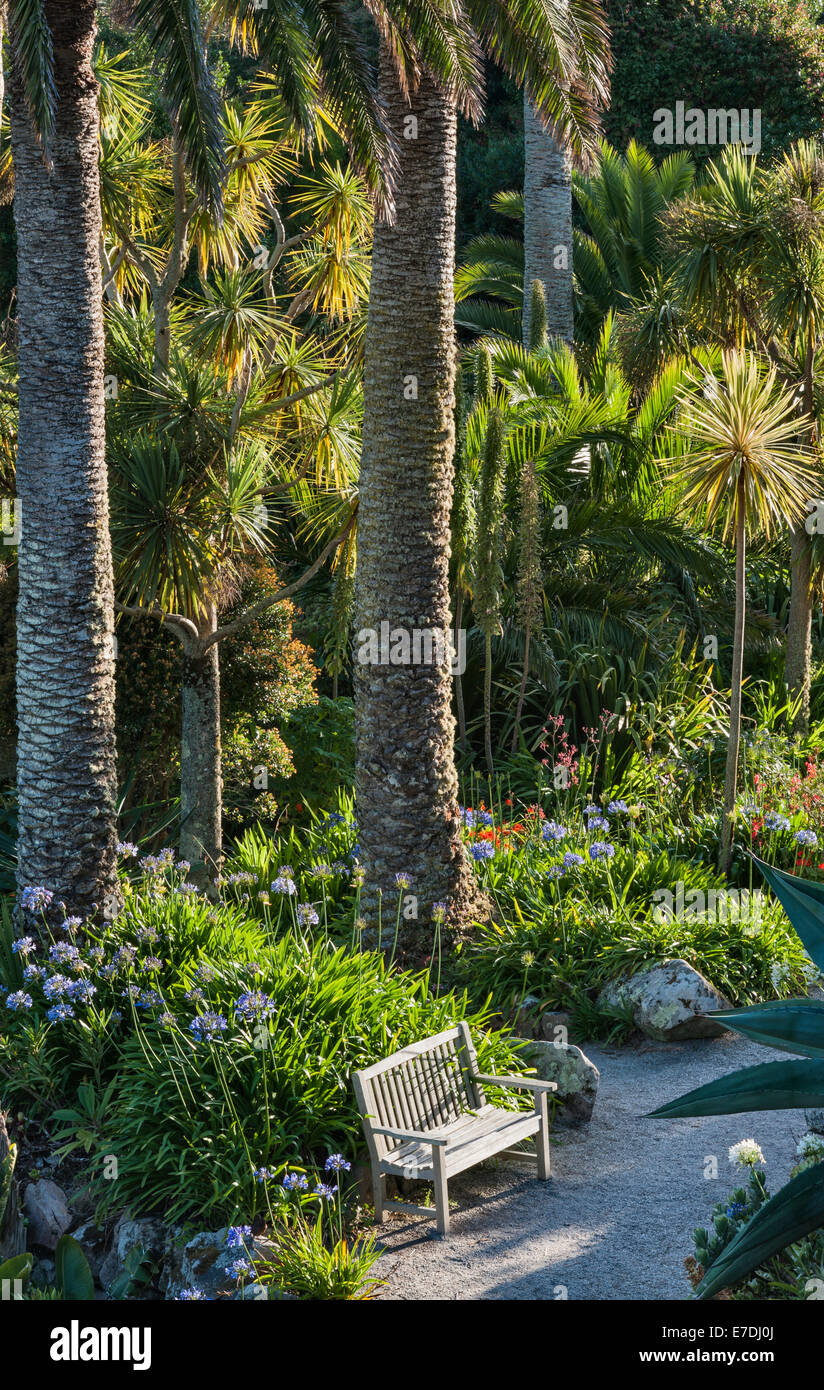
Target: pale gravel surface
[{"x": 615, "y": 1220}]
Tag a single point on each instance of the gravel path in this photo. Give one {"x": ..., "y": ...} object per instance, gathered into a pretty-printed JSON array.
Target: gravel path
[{"x": 616, "y": 1219}]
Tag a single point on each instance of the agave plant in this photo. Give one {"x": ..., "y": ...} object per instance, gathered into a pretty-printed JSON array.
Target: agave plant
[{"x": 791, "y": 1025}]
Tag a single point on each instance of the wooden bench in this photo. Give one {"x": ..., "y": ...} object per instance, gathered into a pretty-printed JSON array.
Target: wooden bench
[{"x": 425, "y": 1115}]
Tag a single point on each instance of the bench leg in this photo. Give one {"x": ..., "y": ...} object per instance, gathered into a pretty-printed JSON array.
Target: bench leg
[
  {"x": 441, "y": 1193},
  {"x": 377, "y": 1190},
  {"x": 542, "y": 1137}
]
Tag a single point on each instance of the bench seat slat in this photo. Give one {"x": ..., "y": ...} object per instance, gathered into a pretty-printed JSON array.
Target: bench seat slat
[{"x": 471, "y": 1139}]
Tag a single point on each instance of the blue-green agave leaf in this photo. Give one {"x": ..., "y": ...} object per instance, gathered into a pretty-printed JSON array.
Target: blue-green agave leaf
[
  {"x": 793, "y": 1025},
  {"x": 803, "y": 902},
  {"x": 768, "y": 1086}
]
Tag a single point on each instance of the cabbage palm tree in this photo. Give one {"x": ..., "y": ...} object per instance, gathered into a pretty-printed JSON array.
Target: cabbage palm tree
[
  {"x": 745, "y": 469},
  {"x": 549, "y": 159},
  {"x": 749, "y": 262},
  {"x": 65, "y": 664},
  {"x": 406, "y": 782},
  {"x": 65, "y": 685}
]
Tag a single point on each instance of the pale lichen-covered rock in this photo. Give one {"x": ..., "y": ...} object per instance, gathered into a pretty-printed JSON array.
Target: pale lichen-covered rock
[
  {"x": 47, "y": 1209},
  {"x": 671, "y": 1001},
  {"x": 575, "y": 1076},
  {"x": 203, "y": 1262}
]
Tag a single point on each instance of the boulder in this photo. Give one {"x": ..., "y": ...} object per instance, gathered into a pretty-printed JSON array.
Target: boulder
[
  {"x": 148, "y": 1235},
  {"x": 671, "y": 1001},
  {"x": 815, "y": 1120},
  {"x": 47, "y": 1209},
  {"x": 203, "y": 1261},
  {"x": 575, "y": 1076}
]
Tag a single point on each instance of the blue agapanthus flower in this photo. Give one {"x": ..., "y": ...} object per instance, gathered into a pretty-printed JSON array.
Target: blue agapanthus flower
[
  {"x": 36, "y": 899},
  {"x": 601, "y": 850},
  {"x": 775, "y": 821},
  {"x": 236, "y": 1237},
  {"x": 306, "y": 915},
  {"x": 551, "y": 830},
  {"x": 284, "y": 885},
  {"x": 617, "y": 808},
  {"x": 56, "y": 986},
  {"x": 295, "y": 1182},
  {"x": 208, "y": 1026},
  {"x": 64, "y": 953},
  {"x": 807, "y": 838},
  {"x": 18, "y": 1000},
  {"x": 24, "y": 945},
  {"x": 597, "y": 823},
  {"x": 59, "y": 1013},
  {"x": 337, "y": 1163},
  {"x": 482, "y": 849},
  {"x": 571, "y": 860},
  {"x": 81, "y": 991},
  {"x": 255, "y": 1004}
]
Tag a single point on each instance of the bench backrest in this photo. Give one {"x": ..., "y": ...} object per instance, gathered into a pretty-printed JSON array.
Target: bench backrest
[{"x": 422, "y": 1087}]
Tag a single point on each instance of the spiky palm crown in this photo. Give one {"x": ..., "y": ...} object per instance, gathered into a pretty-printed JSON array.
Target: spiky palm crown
[{"x": 743, "y": 430}]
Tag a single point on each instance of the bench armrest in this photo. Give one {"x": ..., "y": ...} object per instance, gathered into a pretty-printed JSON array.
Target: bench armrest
[
  {"x": 525, "y": 1083},
  {"x": 419, "y": 1136}
]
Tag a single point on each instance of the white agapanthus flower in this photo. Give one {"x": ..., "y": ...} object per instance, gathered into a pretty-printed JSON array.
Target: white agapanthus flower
[
  {"x": 810, "y": 1146},
  {"x": 747, "y": 1154},
  {"x": 778, "y": 973}
]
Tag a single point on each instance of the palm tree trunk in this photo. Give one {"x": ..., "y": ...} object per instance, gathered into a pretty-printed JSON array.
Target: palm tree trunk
[
  {"x": 547, "y": 226},
  {"x": 799, "y": 623},
  {"x": 731, "y": 773},
  {"x": 201, "y": 785},
  {"x": 406, "y": 782},
  {"x": 65, "y": 620}
]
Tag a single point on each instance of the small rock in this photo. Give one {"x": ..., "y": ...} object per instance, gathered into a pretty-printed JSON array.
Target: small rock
[
  {"x": 575, "y": 1076},
  {"x": 148, "y": 1235},
  {"x": 815, "y": 1120},
  {"x": 552, "y": 1021},
  {"x": 93, "y": 1243},
  {"x": 46, "y": 1207},
  {"x": 670, "y": 1002}
]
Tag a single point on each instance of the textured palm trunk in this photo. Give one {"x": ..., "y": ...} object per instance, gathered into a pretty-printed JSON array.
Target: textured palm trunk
[
  {"x": 799, "y": 626},
  {"x": 201, "y": 788},
  {"x": 731, "y": 773},
  {"x": 547, "y": 226},
  {"x": 408, "y": 817},
  {"x": 799, "y": 623},
  {"x": 65, "y": 648}
]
